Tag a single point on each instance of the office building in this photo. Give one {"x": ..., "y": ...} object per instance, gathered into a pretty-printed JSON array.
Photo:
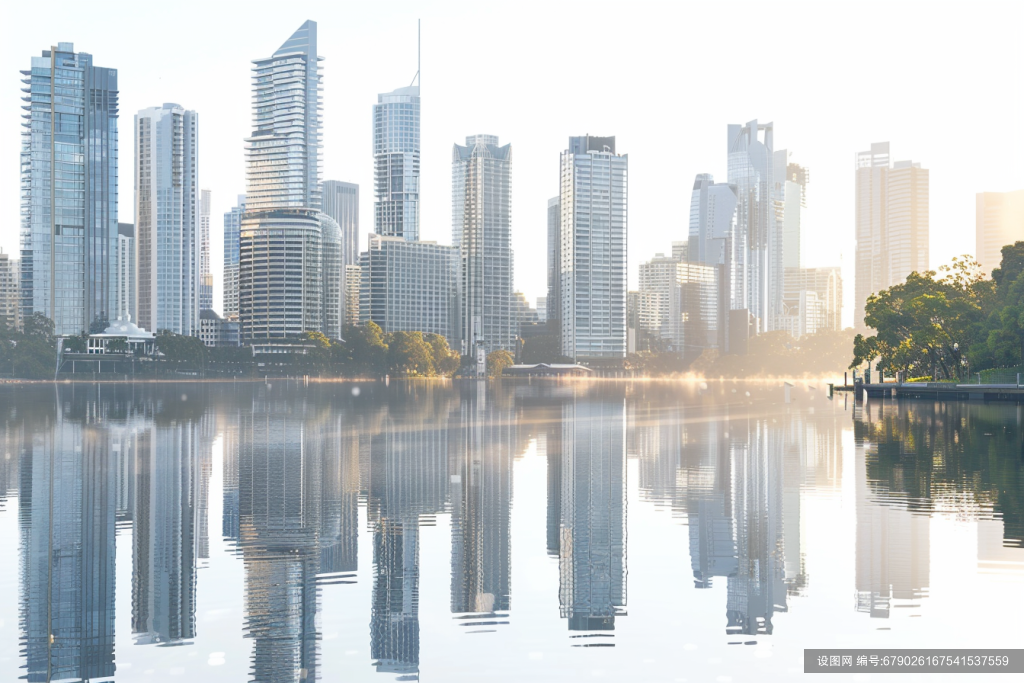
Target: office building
[
  {"x": 217, "y": 331},
  {"x": 712, "y": 241},
  {"x": 353, "y": 281},
  {"x": 396, "y": 163},
  {"x": 542, "y": 309},
  {"x": 10, "y": 300},
  {"x": 232, "y": 234},
  {"x": 341, "y": 202},
  {"x": 280, "y": 275},
  {"x": 410, "y": 286},
  {"x": 554, "y": 299},
  {"x": 826, "y": 284},
  {"x": 791, "y": 196},
  {"x": 593, "y": 249},
  {"x": 999, "y": 222},
  {"x": 333, "y": 272},
  {"x": 127, "y": 295},
  {"x": 69, "y": 191},
  {"x": 678, "y": 306},
  {"x": 205, "y": 274},
  {"x": 891, "y": 224},
  {"x": 167, "y": 218},
  {"x": 482, "y": 232},
  {"x": 758, "y": 239}
]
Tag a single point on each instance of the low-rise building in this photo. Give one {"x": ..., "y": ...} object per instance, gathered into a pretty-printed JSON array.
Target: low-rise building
[{"x": 216, "y": 331}]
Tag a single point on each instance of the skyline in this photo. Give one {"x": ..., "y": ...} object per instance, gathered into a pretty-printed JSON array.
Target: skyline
[{"x": 908, "y": 110}]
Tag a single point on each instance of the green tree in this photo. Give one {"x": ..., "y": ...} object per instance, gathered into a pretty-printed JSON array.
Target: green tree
[
  {"x": 76, "y": 343},
  {"x": 365, "y": 351},
  {"x": 444, "y": 359},
  {"x": 409, "y": 355},
  {"x": 497, "y": 361}
]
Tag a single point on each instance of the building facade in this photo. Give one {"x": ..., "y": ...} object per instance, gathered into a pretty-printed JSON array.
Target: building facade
[
  {"x": 678, "y": 306},
  {"x": 396, "y": 163},
  {"x": 232, "y": 236},
  {"x": 217, "y": 331},
  {"x": 167, "y": 218},
  {"x": 10, "y": 299},
  {"x": 341, "y": 202},
  {"x": 592, "y": 270},
  {"x": 410, "y": 286},
  {"x": 554, "y": 301},
  {"x": 826, "y": 284},
  {"x": 205, "y": 272},
  {"x": 999, "y": 222},
  {"x": 353, "y": 281},
  {"x": 791, "y": 197},
  {"x": 758, "y": 241},
  {"x": 891, "y": 224},
  {"x": 333, "y": 272},
  {"x": 281, "y": 280},
  {"x": 69, "y": 151},
  {"x": 127, "y": 296},
  {"x": 482, "y": 232}
]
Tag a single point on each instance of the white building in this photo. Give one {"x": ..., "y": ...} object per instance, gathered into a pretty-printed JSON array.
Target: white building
[
  {"x": 167, "y": 218},
  {"x": 592, "y": 238},
  {"x": 396, "y": 163},
  {"x": 232, "y": 236},
  {"x": 678, "y": 306},
  {"x": 127, "y": 296},
  {"x": 205, "y": 274},
  {"x": 999, "y": 222},
  {"x": 10, "y": 298}
]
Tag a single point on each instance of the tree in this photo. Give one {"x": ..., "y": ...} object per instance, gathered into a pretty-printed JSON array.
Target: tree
[
  {"x": 117, "y": 345},
  {"x": 409, "y": 355},
  {"x": 365, "y": 351},
  {"x": 76, "y": 343},
  {"x": 445, "y": 361},
  {"x": 180, "y": 350},
  {"x": 497, "y": 361}
]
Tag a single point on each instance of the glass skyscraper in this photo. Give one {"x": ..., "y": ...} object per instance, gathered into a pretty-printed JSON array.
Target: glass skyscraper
[
  {"x": 396, "y": 163},
  {"x": 205, "y": 274},
  {"x": 482, "y": 232},
  {"x": 232, "y": 233},
  {"x": 280, "y": 279},
  {"x": 341, "y": 202},
  {"x": 593, "y": 249},
  {"x": 69, "y": 191},
  {"x": 167, "y": 218}
]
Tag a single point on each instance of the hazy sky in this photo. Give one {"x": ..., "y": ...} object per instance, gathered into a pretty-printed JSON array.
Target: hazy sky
[{"x": 941, "y": 82}]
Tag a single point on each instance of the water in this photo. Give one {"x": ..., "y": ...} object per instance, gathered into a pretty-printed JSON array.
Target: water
[{"x": 468, "y": 532}]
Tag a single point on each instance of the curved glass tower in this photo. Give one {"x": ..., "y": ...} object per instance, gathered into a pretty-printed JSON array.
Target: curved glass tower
[
  {"x": 280, "y": 278},
  {"x": 396, "y": 163}
]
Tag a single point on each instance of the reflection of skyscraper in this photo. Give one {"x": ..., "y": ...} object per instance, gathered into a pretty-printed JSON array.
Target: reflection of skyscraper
[
  {"x": 481, "y": 485},
  {"x": 164, "y": 557},
  {"x": 592, "y": 559},
  {"x": 279, "y": 473},
  {"x": 709, "y": 496},
  {"x": 67, "y": 510},
  {"x": 339, "y": 516}
]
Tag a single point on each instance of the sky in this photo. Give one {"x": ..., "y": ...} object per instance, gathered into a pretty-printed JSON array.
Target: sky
[{"x": 940, "y": 81}]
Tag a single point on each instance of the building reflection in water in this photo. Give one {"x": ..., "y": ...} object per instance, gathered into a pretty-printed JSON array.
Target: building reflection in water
[
  {"x": 481, "y": 503},
  {"x": 592, "y": 544},
  {"x": 68, "y": 498}
]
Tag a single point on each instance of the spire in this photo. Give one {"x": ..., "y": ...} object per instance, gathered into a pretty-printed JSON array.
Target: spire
[{"x": 416, "y": 78}]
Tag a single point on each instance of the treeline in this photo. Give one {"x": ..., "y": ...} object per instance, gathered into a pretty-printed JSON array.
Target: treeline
[
  {"x": 778, "y": 354},
  {"x": 948, "y": 324},
  {"x": 30, "y": 353}
]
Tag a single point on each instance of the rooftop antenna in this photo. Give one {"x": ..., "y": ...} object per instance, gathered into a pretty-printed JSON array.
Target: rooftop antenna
[{"x": 416, "y": 78}]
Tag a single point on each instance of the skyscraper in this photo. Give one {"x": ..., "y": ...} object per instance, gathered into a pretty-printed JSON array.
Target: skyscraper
[
  {"x": 481, "y": 231},
  {"x": 999, "y": 222},
  {"x": 232, "y": 234},
  {"x": 396, "y": 163},
  {"x": 127, "y": 295},
  {"x": 593, "y": 249},
  {"x": 891, "y": 223},
  {"x": 353, "y": 281},
  {"x": 678, "y": 305},
  {"x": 791, "y": 190},
  {"x": 10, "y": 301},
  {"x": 280, "y": 279},
  {"x": 758, "y": 240},
  {"x": 333, "y": 271},
  {"x": 554, "y": 302},
  {"x": 205, "y": 274},
  {"x": 341, "y": 202},
  {"x": 712, "y": 241},
  {"x": 167, "y": 218},
  {"x": 69, "y": 190}
]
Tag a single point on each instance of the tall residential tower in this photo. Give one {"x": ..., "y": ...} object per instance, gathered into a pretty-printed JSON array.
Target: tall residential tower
[
  {"x": 69, "y": 191},
  {"x": 396, "y": 163},
  {"x": 481, "y": 231}
]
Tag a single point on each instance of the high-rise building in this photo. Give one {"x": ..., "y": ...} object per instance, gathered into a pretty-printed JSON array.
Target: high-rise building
[
  {"x": 758, "y": 239},
  {"x": 791, "y": 194},
  {"x": 554, "y": 315},
  {"x": 280, "y": 280},
  {"x": 542, "y": 309},
  {"x": 712, "y": 241},
  {"x": 891, "y": 223},
  {"x": 827, "y": 286},
  {"x": 167, "y": 218},
  {"x": 481, "y": 231},
  {"x": 396, "y": 163},
  {"x": 333, "y": 272},
  {"x": 593, "y": 249},
  {"x": 232, "y": 234},
  {"x": 205, "y": 274},
  {"x": 10, "y": 300},
  {"x": 999, "y": 222},
  {"x": 127, "y": 295},
  {"x": 341, "y": 202},
  {"x": 678, "y": 306},
  {"x": 353, "y": 281},
  {"x": 69, "y": 191},
  {"x": 410, "y": 286}
]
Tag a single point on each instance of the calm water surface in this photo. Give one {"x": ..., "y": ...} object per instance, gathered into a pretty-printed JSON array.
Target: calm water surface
[{"x": 474, "y": 531}]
